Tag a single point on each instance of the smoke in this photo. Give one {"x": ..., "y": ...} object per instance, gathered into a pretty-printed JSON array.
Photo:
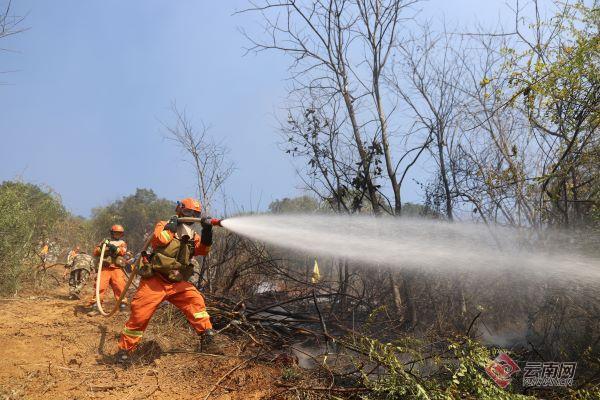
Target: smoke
[{"x": 422, "y": 244}]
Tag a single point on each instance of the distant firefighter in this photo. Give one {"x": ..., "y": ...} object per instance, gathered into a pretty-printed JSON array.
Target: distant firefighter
[
  {"x": 44, "y": 252},
  {"x": 112, "y": 266},
  {"x": 81, "y": 267}
]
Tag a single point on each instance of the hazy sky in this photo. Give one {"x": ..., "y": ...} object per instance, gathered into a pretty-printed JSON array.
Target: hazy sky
[{"x": 93, "y": 79}]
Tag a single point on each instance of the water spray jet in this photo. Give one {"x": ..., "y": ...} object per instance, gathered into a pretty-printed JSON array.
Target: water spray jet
[{"x": 418, "y": 243}]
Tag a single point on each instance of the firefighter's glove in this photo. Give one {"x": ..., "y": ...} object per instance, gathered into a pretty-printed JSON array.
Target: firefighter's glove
[
  {"x": 206, "y": 238},
  {"x": 113, "y": 250},
  {"x": 172, "y": 224}
]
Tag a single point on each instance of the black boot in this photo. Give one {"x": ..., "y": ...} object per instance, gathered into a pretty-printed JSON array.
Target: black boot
[
  {"x": 122, "y": 357},
  {"x": 207, "y": 342},
  {"x": 94, "y": 311}
]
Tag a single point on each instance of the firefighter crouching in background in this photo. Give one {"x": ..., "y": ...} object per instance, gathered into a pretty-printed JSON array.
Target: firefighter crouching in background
[
  {"x": 80, "y": 267},
  {"x": 112, "y": 267},
  {"x": 164, "y": 277}
]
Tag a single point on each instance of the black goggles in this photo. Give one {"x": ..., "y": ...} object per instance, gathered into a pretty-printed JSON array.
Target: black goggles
[{"x": 190, "y": 213}]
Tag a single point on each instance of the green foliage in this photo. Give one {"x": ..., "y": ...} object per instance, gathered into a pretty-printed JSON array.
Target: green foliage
[
  {"x": 456, "y": 371},
  {"x": 300, "y": 204},
  {"x": 397, "y": 381},
  {"x": 559, "y": 79},
  {"x": 137, "y": 213},
  {"x": 453, "y": 368},
  {"x": 467, "y": 377},
  {"x": 28, "y": 217}
]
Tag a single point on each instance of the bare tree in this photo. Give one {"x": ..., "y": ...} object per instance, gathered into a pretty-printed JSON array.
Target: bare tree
[
  {"x": 379, "y": 29},
  {"x": 491, "y": 159},
  {"x": 9, "y": 23},
  {"x": 212, "y": 168},
  {"x": 425, "y": 77},
  {"x": 340, "y": 51},
  {"x": 315, "y": 132},
  {"x": 209, "y": 158}
]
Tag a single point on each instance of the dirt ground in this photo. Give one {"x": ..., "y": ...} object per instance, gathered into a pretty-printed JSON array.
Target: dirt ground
[{"x": 50, "y": 349}]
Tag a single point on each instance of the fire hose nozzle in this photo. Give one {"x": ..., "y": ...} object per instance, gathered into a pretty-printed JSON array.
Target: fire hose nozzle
[{"x": 215, "y": 222}]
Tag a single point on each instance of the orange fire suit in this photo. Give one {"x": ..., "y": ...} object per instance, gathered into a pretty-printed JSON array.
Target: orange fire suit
[
  {"x": 112, "y": 274},
  {"x": 157, "y": 288}
]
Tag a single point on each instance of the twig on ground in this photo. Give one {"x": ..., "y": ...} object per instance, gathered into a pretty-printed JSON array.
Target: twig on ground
[
  {"x": 101, "y": 388},
  {"x": 67, "y": 369}
]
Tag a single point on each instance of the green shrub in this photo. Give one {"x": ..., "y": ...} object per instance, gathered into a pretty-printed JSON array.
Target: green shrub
[
  {"x": 28, "y": 214},
  {"x": 454, "y": 373},
  {"x": 449, "y": 369}
]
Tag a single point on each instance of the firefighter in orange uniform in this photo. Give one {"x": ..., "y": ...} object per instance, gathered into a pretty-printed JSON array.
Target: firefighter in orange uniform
[
  {"x": 165, "y": 275},
  {"x": 112, "y": 267}
]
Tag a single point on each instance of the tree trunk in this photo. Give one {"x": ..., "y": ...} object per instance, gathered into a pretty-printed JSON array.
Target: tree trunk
[
  {"x": 344, "y": 277},
  {"x": 396, "y": 294},
  {"x": 362, "y": 153},
  {"x": 442, "y": 161},
  {"x": 386, "y": 145}
]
